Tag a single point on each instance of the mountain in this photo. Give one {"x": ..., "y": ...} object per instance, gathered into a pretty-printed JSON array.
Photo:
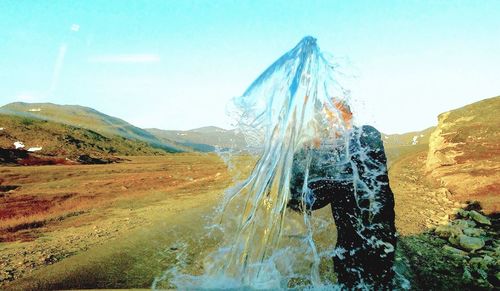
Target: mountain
[
  {"x": 464, "y": 152},
  {"x": 87, "y": 118},
  {"x": 24, "y": 138},
  {"x": 202, "y": 139}
]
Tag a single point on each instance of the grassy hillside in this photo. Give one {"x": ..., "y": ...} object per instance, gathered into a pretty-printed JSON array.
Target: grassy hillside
[
  {"x": 60, "y": 140},
  {"x": 203, "y": 139},
  {"x": 84, "y": 117}
]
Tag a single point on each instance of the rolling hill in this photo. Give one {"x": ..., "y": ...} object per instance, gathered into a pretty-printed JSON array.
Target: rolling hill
[
  {"x": 51, "y": 139},
  {"x": 87, "y": 118}
]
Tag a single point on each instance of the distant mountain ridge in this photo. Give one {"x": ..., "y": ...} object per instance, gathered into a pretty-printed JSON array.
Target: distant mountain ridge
[{"x": 206, "y": 138}]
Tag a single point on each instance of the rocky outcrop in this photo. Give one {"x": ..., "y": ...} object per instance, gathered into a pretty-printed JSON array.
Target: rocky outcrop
[
  {"x": 442, "y": 151},
  {"x": 464, "y": 153}
]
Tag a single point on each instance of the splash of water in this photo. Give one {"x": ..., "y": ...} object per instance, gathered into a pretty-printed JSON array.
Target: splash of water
[{"x": 290, "y": 110}]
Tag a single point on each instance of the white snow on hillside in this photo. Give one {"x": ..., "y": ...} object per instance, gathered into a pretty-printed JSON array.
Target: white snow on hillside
[
  {"x": 35, "y": 149},
  {"x": 18, "y": 145}
]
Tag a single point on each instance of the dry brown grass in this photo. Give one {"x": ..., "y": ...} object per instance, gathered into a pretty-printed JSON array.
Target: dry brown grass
[
  {"x": 48, "y": 195},
  {"x": 10, "y": 227}
]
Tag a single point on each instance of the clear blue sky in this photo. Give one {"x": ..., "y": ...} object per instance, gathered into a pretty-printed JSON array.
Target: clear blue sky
[{"x": 175, "y": 64}]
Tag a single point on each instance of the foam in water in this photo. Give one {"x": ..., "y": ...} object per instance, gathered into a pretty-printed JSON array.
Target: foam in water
[{"x": 284, "y": 114}]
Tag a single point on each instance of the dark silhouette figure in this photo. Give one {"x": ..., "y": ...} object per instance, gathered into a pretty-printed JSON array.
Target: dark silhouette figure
[{"x": 352, "y": 177}]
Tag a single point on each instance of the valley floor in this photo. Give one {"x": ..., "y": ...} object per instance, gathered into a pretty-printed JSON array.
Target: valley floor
[
  {"x": 144, "y": 215},
  {"x": 137, "y": 204}
]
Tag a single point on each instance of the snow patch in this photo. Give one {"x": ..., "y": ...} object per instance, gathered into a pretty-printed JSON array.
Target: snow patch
[
  {"x": 415, "y": 140},
  {"x": 35, "y": 149},
  {"x": 19, "y": 145},
  {"x": 1, "y": 128},
  {"x": 35, "y": 109}
]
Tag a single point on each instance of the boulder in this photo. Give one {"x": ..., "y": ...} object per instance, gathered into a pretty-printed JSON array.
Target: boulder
[
  {"x": 478, "y": 217},
  {"x": 470, "y": 243}
]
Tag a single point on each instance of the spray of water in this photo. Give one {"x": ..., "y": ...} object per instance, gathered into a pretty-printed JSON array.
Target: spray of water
[{"x": 292, "y": 121}]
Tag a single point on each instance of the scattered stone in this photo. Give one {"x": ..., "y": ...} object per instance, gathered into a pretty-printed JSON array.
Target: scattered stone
[
  {"x": 445, "y": 231},
  {"x": 467, "y": 276},
  {"x": 470, "y": 243},
  {"x": 463, "y": 224},
  {"x": 478, "y": 217},
  {"x": 454, "y": 251},
  {"x": 463, "y": 213},
  {"x": 454, "y": 240},
  {"x": 481, "y": 263},
  {"x": 476, "y": 232}
]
